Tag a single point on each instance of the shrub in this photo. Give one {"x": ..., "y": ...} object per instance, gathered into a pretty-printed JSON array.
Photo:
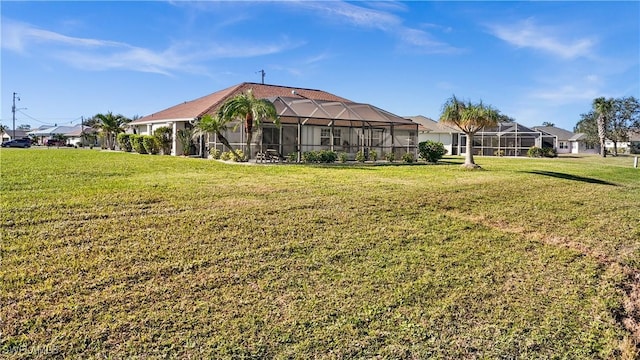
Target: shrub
[
  {"x": 343, "y": 157},
  {"x": 360, "y": 156},
  {"x": 408, "y": 157},
  {"x": 292, "y": 157},
  {"x": 164, "y": 135},
  {"x": 150, "y": 144},
  {"x": 309, "y": 157},
  {"x": 373, "y": 155},
  {"x": 326, "y": 156},
  {"x": 215, "y": 154},
  {"x": 390, "y": 156},
  {"x": 431, "y": 151},
  {"x": 184, "y": 137},
  {"x": 124, "y": 142},
  {"x": 550, "y": 152},
  {"x": 228, "y": 155},
  {"x": 136, "y": 143},
  {"x": 535, "y": 152}
]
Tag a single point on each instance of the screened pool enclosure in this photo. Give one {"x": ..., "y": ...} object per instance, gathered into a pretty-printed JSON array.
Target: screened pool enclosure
[
  {"x": 506, "y": 139},
  {"x": 310, "y": 125}
]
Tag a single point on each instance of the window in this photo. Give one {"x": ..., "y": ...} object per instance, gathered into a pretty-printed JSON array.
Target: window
[
  {"x": 325, "y": 137},
  {"x": 563, "y": 145}
]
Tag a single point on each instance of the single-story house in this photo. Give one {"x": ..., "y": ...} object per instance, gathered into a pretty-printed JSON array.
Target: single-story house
[
  {"x": 429, "y": 129},
  {"x": 634, "y": 142},
  {"x": 310, "y": 120},
  {"x": 567, "y": 142},
  {"x": 630, "y": 147},
  {"x": 72, "y": 134},
  {"x": 8, "y": 135}
]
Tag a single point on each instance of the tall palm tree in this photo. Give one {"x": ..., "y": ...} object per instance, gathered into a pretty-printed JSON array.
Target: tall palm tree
[
  {"x": 603, "y": 109},
  {"x": 110, "y": 124},
  {"x": 469, "y": 118},
  {"x": 253, "y": 111},
  {"x": 214, "y": 125}
]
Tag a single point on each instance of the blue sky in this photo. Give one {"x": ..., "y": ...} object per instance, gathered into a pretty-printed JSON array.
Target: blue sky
[{"x": 533, "y": 61}]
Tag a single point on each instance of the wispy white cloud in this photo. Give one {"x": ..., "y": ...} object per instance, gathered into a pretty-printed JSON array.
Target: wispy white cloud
[
  {"x": 528, "y": 34},
  {"x": 380, "y": 19},
  {"x": 96, "y": 54},
  {"x": 567, "y": 90},
  {"x": 18, "y": 36}
]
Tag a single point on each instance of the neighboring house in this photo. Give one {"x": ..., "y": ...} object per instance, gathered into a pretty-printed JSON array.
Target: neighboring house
[
  {"x": 634, "y": 142},
  {"x": 626, "y": 147},
  {"x": 429, "y": 129},
  {"x": 71, "y": 134},
  {"x": 567, "y": 142},
  {"x": 310, "y": 120},
  {"x": 8, "y": 135}
]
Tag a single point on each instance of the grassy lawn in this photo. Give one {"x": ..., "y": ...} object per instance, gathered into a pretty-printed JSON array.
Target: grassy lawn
[{"x": 124, "y": 255}]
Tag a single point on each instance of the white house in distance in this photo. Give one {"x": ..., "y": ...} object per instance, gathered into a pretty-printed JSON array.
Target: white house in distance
[
  {"x": 429, "y": 129},
  {"x": 567, "y": 142},
  {"x": 71, "y": 134},
  {"x": 310, "y": 120}
]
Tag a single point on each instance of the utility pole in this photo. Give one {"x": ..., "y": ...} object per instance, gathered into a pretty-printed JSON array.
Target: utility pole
[
  {"x": 263, "y": 74},
  {"x": 13, "y": 110}
]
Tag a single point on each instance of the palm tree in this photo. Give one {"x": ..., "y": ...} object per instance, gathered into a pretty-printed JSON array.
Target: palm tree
[
  {"x": 217, "y": 125},
  {"x": 603, "y": 109},
  {"x": 251, "y": 110},
  {"x": 469, "y": 118},
  {"x": 110, "y": 125}
]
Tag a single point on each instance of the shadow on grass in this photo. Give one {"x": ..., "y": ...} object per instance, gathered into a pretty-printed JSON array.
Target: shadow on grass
[{"x": 571, "y": 177}]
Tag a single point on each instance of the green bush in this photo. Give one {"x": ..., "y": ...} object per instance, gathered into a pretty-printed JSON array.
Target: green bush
[
  {"x": 373, "y": 155},
  {"x": 215, "y": 154},
  {"x": 164, "y": 135},
  {"x": 124, "y": 142},
  {"x": 431, "y": 151},
  {"x": 136, "y": 143},
  {"x": 360, "y": 156},
  {"x": 343, "y": 157},
  {"x": 390, "y": 156},
  {"x": 184, "y": 137},
  {"x": 550, "y": 152},
  {"x": 292, "y": 157},
  {"x": 327, "y": 156},
  {"x": 228, "y": 155},
  {"x": 150, "y": 144},
  {"x": 309, "y": 157},
  {"x": 408, "y": 157},
  {"x": 535, "y": 152}
]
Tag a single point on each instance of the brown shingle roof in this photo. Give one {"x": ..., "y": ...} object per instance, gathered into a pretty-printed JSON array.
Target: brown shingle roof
[{"x": 210, "y": 103}]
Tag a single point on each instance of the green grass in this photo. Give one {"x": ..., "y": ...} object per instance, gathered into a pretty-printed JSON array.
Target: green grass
[{"x": 123, "y": 255}]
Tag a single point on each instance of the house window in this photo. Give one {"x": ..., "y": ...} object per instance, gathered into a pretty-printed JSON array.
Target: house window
[
  {"x": 325, "y": 137},
  {"x": 563, "y": 145}
]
